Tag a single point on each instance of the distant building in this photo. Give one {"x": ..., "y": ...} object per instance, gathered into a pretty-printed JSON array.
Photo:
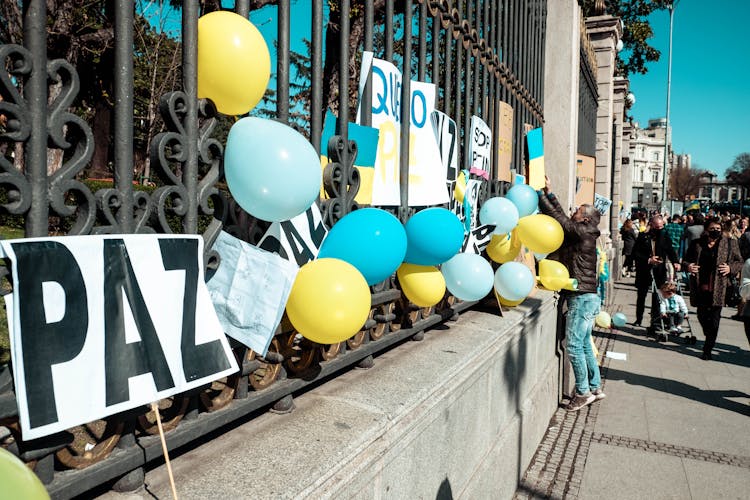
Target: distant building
[{"x": 647, "y": 159}]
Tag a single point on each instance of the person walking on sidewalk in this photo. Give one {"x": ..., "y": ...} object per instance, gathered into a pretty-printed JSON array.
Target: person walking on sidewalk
[
  {"x": 652, "y": 249},
  {"x": 628, "y": 233},
  {"x": 710, "y": 260},
  {"x": 578, "y": 254}
]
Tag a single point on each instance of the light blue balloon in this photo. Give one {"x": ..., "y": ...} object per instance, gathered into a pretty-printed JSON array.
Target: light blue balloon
[
  {"x": 370, "y": 239},
  {"x": 272, "y": 171},
  {"x": 433, "y": 236},
  {"x": 619, "y": 319},
  {"x": 468, "y": 276},
  {"x": 514, "y": 281},
  {"x": 501, "y": 212},
  {"x": 524, "y": 198}
]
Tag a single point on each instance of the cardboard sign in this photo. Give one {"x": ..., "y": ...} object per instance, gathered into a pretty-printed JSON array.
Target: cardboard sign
[
  {"x": 585, "y": 177},
  {"x": 102, "y": 324},
  {"x": 504, "y": 142},
  {"x": 535, "y": 143},
  {"x": 249, "y": 291},
  {"x": 480, "y": 145},
  {"x": 297, "y": 240}
]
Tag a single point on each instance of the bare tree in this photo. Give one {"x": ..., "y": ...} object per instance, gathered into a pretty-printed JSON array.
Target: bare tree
[{"x": 684, "y": 182}]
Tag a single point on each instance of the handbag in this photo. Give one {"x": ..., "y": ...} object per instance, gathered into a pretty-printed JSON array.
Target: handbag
[{"x": 732, "y": 297}]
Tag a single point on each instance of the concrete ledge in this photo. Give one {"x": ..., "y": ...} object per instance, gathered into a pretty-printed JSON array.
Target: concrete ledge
[{"x": 460, "y": 413}]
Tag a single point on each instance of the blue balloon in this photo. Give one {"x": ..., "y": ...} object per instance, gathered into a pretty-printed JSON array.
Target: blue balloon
[
  {"x": 272, "y": 171},
  {"x": 619, "y": 319},
  {"x": 468, "y": 276},
  {"x": 501, "y": 212},
  {"x": 370, "y": 239},
  {"x": 524, "y": 198},
  {"x": 514, "y": 281},
  {"x": 433, "y": 236}
]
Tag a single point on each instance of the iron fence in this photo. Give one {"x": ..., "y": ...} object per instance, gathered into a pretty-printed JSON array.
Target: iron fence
[{"x": 477, "y": 52}]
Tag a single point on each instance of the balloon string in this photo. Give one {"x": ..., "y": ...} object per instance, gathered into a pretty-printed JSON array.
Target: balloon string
[{"x": 155, "y": 409}]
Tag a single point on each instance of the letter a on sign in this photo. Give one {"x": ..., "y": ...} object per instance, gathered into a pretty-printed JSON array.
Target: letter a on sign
[{"x": 102, "y": 324}]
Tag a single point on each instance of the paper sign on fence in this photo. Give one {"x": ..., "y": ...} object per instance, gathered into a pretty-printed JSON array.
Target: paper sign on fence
[{"x": 249, "y": 291}]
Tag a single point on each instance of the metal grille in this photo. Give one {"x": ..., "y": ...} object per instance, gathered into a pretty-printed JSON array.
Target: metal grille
[{"x": 477, "y": 53}]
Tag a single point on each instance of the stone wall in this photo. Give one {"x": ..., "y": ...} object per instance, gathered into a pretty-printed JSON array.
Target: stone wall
[{"x": 458, "y": 415}]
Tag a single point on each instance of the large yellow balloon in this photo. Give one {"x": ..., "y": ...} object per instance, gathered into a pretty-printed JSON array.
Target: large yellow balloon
[
  {"x": 540, "y": 233},
  {"x": 234, "y": 64},
  {"x": 17, "y": 480},
  {"x": 553, "y": 275},
  {"x": 504, "y": 247},
  {"x": 422, "y": 285},
  {"x": 329, "y": 302},
  {"x": 603, "y": 320}
]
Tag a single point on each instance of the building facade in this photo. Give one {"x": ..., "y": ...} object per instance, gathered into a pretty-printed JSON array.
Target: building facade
[{"x": 647, "y": 160}]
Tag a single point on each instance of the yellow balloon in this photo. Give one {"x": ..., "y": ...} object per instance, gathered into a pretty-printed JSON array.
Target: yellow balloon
[
  {"x": 329, "y": 302},
  {"x": 603, "y": 320},
  {"x": 505, "y": 302},
  {"x": 540, "y": 233},
  {"x": 422, "y": 285},
  {"x": 234, "y": 64},
  {"x": 17, "y": 480},
  {"x": 504, "y": 247},
  {"x": 553, "y": 275}
]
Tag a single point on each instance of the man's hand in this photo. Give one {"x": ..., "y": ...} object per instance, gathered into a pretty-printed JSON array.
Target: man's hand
[
  {"x": 654, "y": 259},
  {"x": 723, "y": 269},
  {"x": 693, "y": 268}
]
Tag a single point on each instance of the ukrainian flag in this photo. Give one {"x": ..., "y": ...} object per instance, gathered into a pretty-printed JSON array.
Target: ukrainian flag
[{"x": 693, "y": 205}]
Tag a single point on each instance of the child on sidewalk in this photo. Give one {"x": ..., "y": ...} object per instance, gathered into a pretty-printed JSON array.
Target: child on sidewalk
[{"x": 672, "y": 307}]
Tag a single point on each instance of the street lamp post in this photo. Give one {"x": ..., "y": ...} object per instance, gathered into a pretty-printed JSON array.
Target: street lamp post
[{"x": 669, "y": 90}]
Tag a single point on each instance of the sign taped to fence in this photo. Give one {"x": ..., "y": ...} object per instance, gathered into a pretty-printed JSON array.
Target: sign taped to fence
[
  {"x": 102, "y": 324},
  {"x": 480, "y": 146},
  {"x": 298, "y": 239}
]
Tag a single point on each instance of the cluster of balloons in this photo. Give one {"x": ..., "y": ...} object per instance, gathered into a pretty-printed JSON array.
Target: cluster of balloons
[
  {"x": 604, "y": 320},
  {"x": 272, "y": 171}
]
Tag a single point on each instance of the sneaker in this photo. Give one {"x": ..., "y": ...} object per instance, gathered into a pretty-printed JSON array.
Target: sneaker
[
  {"x": 579, "y": 401},
  {"x": 674, "y": 330},
  {"x": 598, "y": 394},
  {"x": 678, "y": 330}
]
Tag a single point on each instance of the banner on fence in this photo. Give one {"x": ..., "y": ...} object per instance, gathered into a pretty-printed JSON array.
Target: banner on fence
[
  {"x": 102, "y": 324},
  {"x": 426, "y": 172}
]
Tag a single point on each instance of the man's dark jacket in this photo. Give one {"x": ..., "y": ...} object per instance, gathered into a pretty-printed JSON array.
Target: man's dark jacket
[
  {"x": 578, "y": 250},
  {"x": 648, "y": 244}
]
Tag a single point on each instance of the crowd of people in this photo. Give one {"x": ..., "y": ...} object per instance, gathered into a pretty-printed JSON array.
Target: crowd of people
[{"x": 707, "y": 254}]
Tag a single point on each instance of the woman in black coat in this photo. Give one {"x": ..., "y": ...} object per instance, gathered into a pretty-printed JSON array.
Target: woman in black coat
[
  {"x": 628, "y": 235},
  {"x": 710, "y": 260}
]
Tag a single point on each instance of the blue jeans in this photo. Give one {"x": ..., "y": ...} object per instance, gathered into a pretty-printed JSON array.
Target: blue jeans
[{"x": 582, "y": 309}]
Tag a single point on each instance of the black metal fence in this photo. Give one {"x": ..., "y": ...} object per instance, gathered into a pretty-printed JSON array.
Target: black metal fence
[{"x": 477, "y": 53}]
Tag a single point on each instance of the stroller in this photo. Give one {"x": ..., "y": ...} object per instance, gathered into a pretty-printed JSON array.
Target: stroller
[{"x": 658, "y": 329}]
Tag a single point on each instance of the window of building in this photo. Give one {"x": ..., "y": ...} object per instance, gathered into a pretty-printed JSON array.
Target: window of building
[
  {"x": 655, "y": 155},
  {"x": 654, "y": 176}
]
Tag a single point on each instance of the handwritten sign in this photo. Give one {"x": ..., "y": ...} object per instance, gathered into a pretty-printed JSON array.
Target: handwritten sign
[
  {"x": 504, "y": 141},
  {"x": 480, "y": 145}
]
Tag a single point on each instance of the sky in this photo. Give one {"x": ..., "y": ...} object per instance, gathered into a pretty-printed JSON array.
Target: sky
[{"x": 710, "y": 97}]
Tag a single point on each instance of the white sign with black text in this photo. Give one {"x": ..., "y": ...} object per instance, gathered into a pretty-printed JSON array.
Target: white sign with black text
[{"x": 102, "y": 324}]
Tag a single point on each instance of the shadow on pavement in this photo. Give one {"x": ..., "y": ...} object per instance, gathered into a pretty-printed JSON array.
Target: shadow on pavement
[{"x": 717, "y": 398}]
